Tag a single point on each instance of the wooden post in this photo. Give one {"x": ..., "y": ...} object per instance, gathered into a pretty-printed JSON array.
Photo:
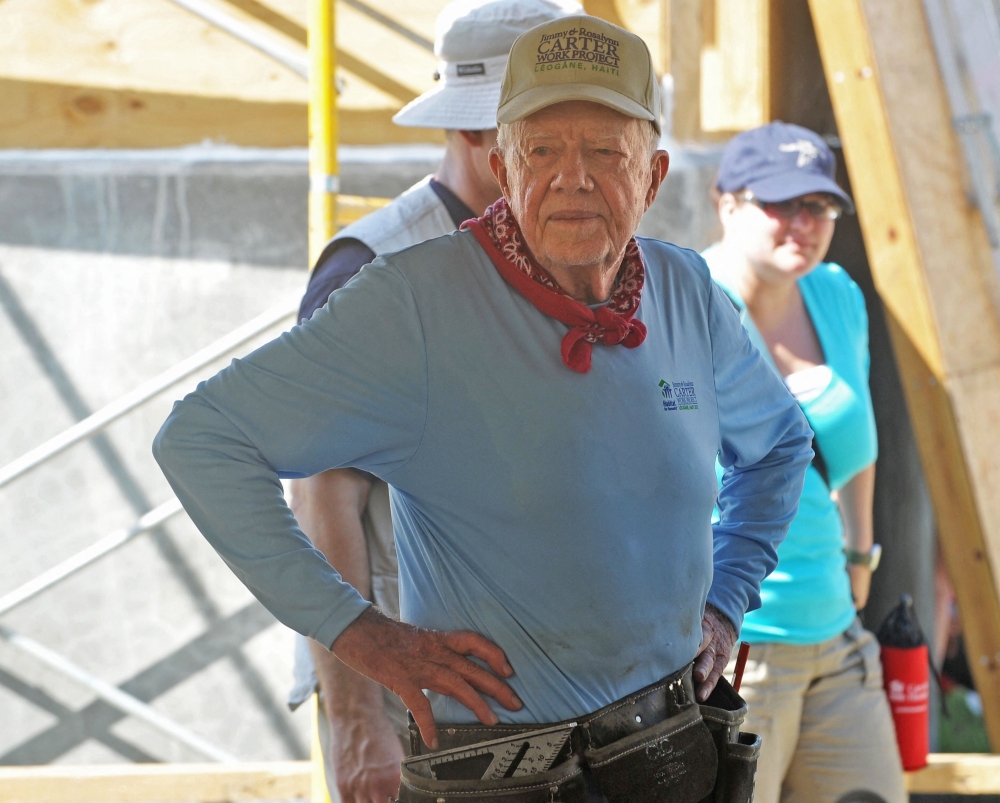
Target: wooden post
[
  {"x": 685, "y": 66},
  {"x": 735, "y": 67},
  {"x": 137, "y": 783},
  {"x": 931, "y": 264}
]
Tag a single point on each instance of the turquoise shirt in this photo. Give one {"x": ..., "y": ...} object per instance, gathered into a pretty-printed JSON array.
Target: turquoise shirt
[
  {"x": 807, "y": 599},
  {"x": 564, "y": 516}
]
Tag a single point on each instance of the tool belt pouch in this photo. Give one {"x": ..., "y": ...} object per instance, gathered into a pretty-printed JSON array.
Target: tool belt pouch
[
  {"x": 737, "y": 770},
  {"x": 562, "y": 784},
  {"x": 724, "y": 712},
  {"x": 673, "y": 761}
]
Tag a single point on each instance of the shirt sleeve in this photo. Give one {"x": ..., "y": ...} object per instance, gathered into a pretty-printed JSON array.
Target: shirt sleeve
[
  {"x": 336, "y": 266},
  {"x": 346, "y": 388},
  {"x": 765, "y": 448}
]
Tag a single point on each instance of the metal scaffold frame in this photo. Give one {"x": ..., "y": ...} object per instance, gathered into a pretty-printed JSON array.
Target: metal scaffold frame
[{"x": 326, "y": 210}]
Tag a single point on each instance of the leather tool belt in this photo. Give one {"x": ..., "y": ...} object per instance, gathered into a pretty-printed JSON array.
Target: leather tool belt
[{"x": 657, "y": 745}]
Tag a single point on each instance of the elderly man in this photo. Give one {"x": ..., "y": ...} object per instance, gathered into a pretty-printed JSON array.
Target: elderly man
[
  {"x": 546, "y": 397},
  {"x": 345, "y": 512}
]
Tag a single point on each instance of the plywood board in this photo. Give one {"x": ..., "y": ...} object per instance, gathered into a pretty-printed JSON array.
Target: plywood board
[
  {"x": 956, "y": 774},
  {"x": 685, "y": 31},
  {"x": 735, "y": 79},
  {"x": 137, "y": 783},
  {"x": 155, "y": 51},
  {"x": 44, "y": 115}
]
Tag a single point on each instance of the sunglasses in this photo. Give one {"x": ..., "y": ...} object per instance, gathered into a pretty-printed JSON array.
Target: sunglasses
[{"x": 818, "y": 210}]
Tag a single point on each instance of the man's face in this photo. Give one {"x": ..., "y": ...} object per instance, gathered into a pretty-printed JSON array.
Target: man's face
[
  {"x": 578, "y": 182},
  {"x": 777, "y": 247}
]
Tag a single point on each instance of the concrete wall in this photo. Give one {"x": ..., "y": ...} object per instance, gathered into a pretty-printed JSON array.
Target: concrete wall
[
  {"x": 247, "y": 205},
  {"x": 113, "y": 267}
]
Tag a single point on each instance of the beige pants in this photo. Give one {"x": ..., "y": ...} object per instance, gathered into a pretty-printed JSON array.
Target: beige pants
[{"x": 824, "y": 719}]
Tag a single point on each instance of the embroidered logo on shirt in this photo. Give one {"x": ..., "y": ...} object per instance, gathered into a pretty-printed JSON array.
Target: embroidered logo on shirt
[
  {"x": 668, "y": 395},
  {"x": 678, "y": 395}
]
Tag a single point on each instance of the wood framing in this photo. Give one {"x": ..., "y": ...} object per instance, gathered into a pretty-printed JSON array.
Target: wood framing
[
  {"x": 135, "y": 783},
  {"x": 956, "y": 774},
  {"x": 931, "y": 264},
  {"x": 283, "y": 780},
  {"x": 685, "y": 34},
  {"x": 735, "y": 67},
  {"x": 49, "y": 115},
  {"x": 147, "y": 73}
]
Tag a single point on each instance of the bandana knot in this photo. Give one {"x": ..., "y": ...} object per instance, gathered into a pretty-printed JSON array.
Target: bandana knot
[{"x": 611, "y": 324}]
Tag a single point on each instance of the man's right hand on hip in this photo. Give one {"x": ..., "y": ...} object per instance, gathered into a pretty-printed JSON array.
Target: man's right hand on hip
[{"x": 407, "y": 659}]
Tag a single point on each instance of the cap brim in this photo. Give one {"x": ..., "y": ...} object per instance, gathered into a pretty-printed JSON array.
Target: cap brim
[
  {"x": 539, "y": 97},
  {"x": 795, "y": 183},
  {"x": 459, "y": 108}
]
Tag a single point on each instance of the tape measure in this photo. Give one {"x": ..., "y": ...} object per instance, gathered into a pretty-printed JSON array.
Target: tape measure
[{"x": 509, "y": 757}]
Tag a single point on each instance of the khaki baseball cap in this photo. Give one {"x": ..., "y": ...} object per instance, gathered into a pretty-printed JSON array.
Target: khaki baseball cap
[{"x": 579, "y": 58}]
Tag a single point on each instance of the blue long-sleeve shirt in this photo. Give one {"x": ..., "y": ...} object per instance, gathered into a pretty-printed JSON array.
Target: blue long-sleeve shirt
[{"x": 564, "y": 516}]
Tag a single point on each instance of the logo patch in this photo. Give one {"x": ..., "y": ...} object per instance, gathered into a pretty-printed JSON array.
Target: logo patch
[
  {"x": 579, "y": 45},
  {"x": 471, "y": 69},
  {"x": 678, "y": 395},
  {"x": 668, "y": 395},
  {"x": 807, "y": 151}
]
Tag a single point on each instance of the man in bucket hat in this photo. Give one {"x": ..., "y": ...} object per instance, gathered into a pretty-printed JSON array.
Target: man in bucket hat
[
  {"x": 546, "y": 396},
  {"x": 345, "y": 512}
]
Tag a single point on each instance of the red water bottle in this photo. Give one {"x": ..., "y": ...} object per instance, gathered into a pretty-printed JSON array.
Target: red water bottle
[{"x": 906, "y": 677}]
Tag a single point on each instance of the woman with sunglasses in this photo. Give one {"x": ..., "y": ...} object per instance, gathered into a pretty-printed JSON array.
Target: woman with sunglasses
[{"x": 814, "y": 679}]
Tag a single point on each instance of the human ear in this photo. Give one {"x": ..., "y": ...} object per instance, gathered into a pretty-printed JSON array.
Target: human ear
[
  {"x": 474, "y": 139},
  {"x": 499, "y": 169},
  {"x": 659, "y": 166},
  {"x": 726, "y": 206}
]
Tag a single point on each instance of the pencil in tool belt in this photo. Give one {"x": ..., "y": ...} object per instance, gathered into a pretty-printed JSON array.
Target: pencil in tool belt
[{"x": 741, "y": 663}]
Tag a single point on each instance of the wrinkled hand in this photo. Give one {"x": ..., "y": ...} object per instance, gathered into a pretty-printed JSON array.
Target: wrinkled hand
[
  {"x": 718, "y": 638},
  {"x": 407, "y": 659},
  {"x": 861, "y": 583},
  {"x": 365, "y": 753}
]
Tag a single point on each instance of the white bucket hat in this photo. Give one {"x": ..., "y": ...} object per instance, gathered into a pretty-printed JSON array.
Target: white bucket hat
[{"x": 472, "y": 40}]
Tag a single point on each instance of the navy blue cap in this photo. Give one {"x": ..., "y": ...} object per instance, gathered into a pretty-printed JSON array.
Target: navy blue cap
[{"x": 778, "y": 162}]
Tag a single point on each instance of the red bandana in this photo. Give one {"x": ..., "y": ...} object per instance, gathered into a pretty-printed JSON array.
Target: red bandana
[{"x": 611, "y": 324}]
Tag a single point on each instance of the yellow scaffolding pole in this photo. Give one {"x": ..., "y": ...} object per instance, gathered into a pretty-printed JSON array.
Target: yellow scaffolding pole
[
  {"x": 324, "y": 185},
  {"x": 324, "y": 179}
]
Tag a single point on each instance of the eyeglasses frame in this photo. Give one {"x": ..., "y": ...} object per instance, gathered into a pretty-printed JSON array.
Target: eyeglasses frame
[{"x": 833, "y": 209}]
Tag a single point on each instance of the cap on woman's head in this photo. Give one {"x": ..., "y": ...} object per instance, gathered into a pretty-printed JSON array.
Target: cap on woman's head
[
  {"x": 778, "y": 162},
  {"x": 472, "y": 41}
]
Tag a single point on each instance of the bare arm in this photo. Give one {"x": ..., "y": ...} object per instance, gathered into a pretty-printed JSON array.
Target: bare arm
[
  {"x": 855, "y": 500},
  {"x": 366, "y": 750}
]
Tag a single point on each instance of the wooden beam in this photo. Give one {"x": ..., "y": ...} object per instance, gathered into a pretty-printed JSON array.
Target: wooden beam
[
  {"x": 351, "y": 208},
  {"x": 605, "y": 9},
  {"x": 931, "y": 264},
  {"x": 146, "y": 73},
  {"x": 137, "y": 783},
  {"x": 735, "y": 65},
  {"x": 345, "y": 59},
  {"x": 956, "y": 774},
  {"x": 48, "y": 115},
  {"x": 293, "y": 29},
  {"x": 685, "y": 66}
]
